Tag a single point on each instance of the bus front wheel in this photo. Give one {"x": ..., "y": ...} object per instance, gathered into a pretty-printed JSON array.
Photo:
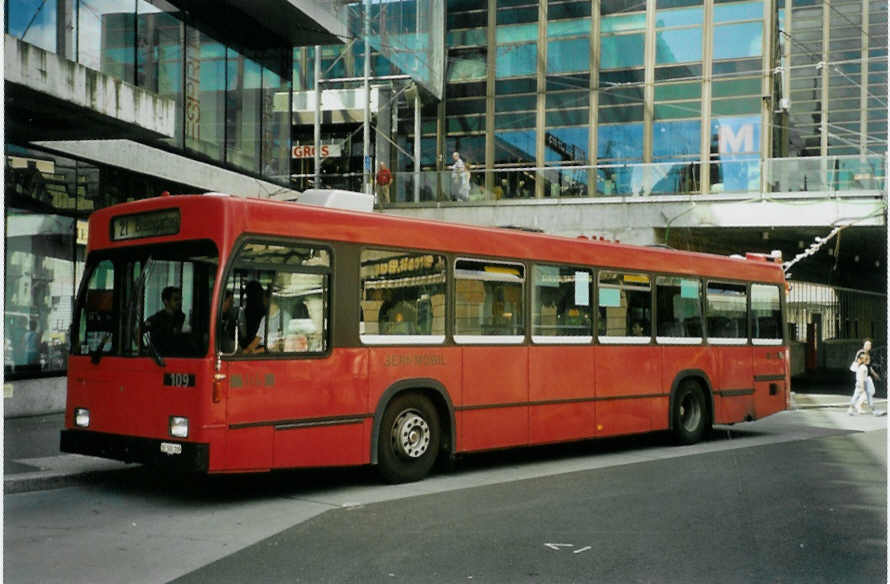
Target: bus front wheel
[
  {"x": 690, "y": 413},
  {"x": 408, "y": 440}
]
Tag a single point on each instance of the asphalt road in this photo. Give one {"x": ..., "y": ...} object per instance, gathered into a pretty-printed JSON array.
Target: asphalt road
[
  {"x": 797, "y": 497},
  {"x": 810, "y": 511}
]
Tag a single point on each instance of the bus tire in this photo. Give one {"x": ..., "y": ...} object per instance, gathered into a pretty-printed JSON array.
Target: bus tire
[
  {"x": 690, "y": 413},
  {"x": 409, "y": 439}
]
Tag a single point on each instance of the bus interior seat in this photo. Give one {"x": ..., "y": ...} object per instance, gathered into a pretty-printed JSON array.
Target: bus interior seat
[
  {"x": 692, "y": 325},
  {"x": 670, "y": 328}
]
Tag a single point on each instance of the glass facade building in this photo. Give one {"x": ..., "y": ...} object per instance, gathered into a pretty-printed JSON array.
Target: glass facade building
[
  {"x": 641, "y": 97},
  {"x": 225, "y": 114},
  {"x": 541, "y": 99}
]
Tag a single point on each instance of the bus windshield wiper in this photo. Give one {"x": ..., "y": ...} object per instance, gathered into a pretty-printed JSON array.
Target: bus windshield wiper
[
  {"x": 146, "y": 338},
  {"x": 134, "y": 309},
  {"x": 96, "y": 354}
]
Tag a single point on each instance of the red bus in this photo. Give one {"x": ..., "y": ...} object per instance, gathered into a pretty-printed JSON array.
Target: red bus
[{"x": 299, "y": 336}]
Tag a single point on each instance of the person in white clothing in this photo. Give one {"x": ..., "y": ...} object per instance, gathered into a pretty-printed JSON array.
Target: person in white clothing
[{"x": 860, "y": 392}]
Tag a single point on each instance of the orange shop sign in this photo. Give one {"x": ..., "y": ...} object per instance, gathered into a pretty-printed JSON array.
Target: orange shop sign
[{"x": 308, "y": 150}]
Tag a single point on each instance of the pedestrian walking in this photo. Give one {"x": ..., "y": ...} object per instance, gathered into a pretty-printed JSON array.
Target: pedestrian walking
[
  {"x": 862, "y": 367},
  {"x": 460, "y": 179},
  {"x": 384, "y": 178},
  {"x": 859, "y": 390}
]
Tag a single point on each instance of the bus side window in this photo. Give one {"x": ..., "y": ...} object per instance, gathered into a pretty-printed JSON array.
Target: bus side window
[
  {"x": 625, "y": 304},
  {"x": 282, "y": 293},
  {"x": 678, "y": 306},
  {"x": 402, "y": 294},
  {"x": 727, "y": 310}
]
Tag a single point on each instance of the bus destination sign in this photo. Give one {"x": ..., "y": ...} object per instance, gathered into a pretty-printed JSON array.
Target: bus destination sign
[{"x": 145, "y": 225}]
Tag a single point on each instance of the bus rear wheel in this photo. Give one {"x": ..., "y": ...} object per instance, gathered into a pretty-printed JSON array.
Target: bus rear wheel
[
  {"x": 408, "y": 440},
  {"x": 690, "y": 414}
]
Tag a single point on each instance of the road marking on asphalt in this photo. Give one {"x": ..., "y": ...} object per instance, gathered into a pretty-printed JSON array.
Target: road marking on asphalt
[{"x": 558, "y": 547}]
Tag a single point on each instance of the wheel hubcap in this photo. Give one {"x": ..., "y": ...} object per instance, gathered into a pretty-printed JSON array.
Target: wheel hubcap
[
  {"x": 690, "y": 413},
  {"x": 410, "y": 435}
]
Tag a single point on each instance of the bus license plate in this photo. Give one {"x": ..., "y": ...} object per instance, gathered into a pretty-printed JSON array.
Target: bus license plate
[{"x": 170, "y": 448}]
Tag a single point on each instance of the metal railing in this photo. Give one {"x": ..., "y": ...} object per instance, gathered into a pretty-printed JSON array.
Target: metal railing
[{"x": 832, "y": 176}]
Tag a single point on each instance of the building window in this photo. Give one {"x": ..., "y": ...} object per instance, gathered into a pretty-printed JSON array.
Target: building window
[
  {"x": 205, "y": 103},
  {"x": 106, "y": 37},
  {"x": 33, "y": 21},
  {"x": 159, "y": 56},
  {"x": 244, "y": 102}
]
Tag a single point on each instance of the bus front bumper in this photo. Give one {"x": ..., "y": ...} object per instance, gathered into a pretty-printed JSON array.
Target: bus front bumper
[{"x": 178, "y": 456}]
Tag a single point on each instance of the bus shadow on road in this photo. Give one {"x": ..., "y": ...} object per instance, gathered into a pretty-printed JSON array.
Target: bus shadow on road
[
  {"x": 570, "y": 450},
  {"x": 227, "y": 488}
]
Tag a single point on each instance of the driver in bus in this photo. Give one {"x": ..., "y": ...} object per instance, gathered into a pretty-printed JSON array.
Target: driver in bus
[{"x": 166, "y": 324}]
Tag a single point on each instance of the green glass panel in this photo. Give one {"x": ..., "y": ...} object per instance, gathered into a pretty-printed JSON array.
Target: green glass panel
[
  {"x": 677, "y": 91},
  {"x": 738, "y": 11},
  {"x": 729, "y": 107},
  {"x": 514, "y": 121},
  {"x": 686, "y": 109},
  {"x": 621, "y": 114},
  {"x": 516, "y": 33},
  {"x": 678, "y": 45},
  {"x": 465, "y": 123},
  {"x": 470, "y": 37},
  {"x": 682, "y": 17},
  {"x": 566, "y": 117},
  {"x": 619, "y": 52},
  {"x": 566, "y": 56},
  {"x": 516, "y": 61},
  {"x": 513, "y": 104},
  {"x": 567, "y": 99},
  {"x": 623, "y": 23},
  {"x": 736, "y": 87},
  {"x": 561, "y": 28},
  {"x": 734, "y": 41}
]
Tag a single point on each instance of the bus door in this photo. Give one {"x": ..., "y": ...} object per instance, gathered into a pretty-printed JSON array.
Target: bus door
[
  {"x": 727, "y": 330},
  {"x": 561, "y": 359},
  {"x": 771, "y": 368},
  {"x": 489, "y": 299},
  {"x": 629, "y": 389},
  {"x": 291, "y": 401}
]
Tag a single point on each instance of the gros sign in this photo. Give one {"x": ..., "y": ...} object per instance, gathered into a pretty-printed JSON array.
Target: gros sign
[{"x": 308, "y": 150}]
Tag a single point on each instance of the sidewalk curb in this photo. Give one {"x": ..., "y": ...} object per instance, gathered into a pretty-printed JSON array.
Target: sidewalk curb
[
  {"x": 44, "y": 481},
  {"x": 63, "y": 471},
  {"x": 811, "y": 402}
]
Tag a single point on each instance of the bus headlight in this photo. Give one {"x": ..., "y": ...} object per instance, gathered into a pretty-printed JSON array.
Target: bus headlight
[
  {"x": 179, "y": 427},
  {"x": 82, "y": 417}
]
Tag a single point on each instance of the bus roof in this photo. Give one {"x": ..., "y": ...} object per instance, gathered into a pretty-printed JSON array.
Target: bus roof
[{"x": 202, "y": 216}]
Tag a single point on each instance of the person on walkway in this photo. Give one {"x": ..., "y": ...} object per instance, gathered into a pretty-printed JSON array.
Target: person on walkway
[
  {"x": 384, "y": 179},
  {"x": 863, "y": 359},
  {"x": 460, "y": 179},
  {"x": 859, "y": 390}
]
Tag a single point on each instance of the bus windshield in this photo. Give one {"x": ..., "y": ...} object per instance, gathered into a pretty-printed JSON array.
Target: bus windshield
[{"x": 146, "y": 301}]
